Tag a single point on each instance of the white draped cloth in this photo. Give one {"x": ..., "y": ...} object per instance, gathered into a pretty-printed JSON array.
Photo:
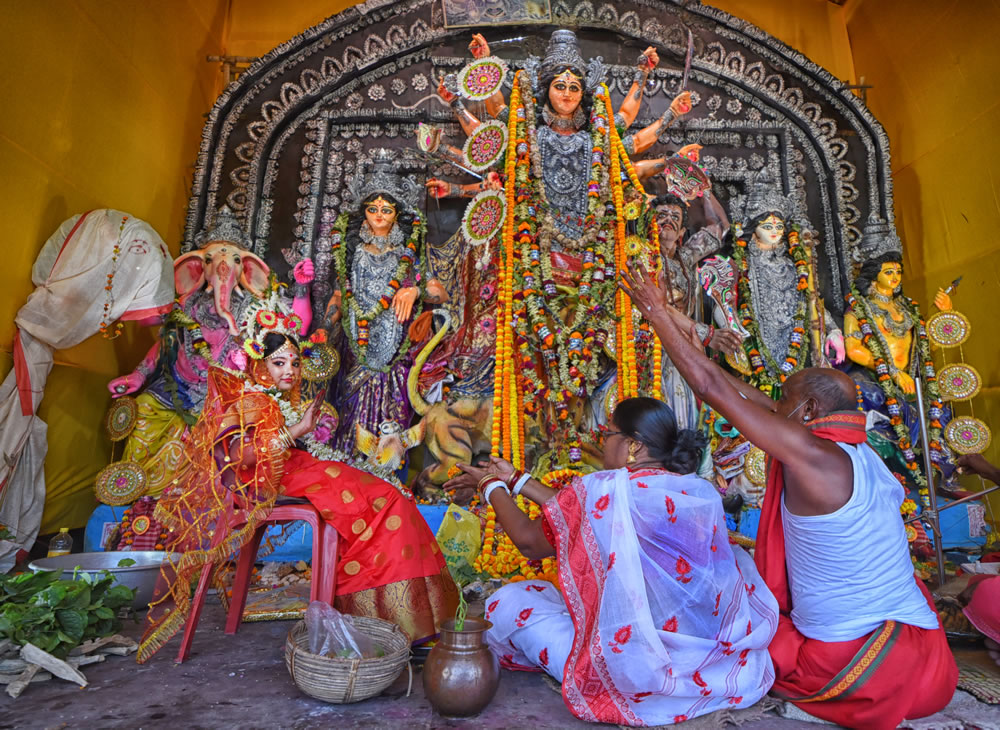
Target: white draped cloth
[
  {"x": 68, "y": 306},
  {"x": 659, "y": 618}
]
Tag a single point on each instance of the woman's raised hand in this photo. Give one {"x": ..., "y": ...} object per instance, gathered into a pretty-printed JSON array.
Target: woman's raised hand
[
  {"x": 648, "y": 60},
  {"x": 501, "y": 469},
  {"x": 646, "y": 292}
]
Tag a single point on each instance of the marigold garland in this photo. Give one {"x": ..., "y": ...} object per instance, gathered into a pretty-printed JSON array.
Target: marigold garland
[{"x": 500, "y": 558}]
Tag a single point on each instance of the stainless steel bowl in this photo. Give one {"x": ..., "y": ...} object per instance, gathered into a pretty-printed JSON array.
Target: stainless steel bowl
[{"x": 141, "y": 576}]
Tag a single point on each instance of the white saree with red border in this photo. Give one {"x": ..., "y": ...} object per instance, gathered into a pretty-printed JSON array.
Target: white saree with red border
[{"x": 660, "y": 619}]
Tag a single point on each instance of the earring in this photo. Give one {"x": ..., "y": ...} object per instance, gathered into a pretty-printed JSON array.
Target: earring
[{"x": 633, "y": 448}]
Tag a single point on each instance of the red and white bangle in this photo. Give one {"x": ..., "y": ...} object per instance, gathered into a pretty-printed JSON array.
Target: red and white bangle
[
  {"x": 519, "y": 484},
  {"x": 488, "y": 490}
]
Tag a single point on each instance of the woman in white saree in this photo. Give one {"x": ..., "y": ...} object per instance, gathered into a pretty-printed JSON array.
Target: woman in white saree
[{"x": 657, "y": 618}]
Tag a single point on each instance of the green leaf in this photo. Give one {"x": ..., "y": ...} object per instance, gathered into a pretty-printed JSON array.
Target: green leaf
[
  {"x": 53, "y": 595},
  {"x": 104, "y": 612},
  {"x": 78, "y": 596},
  {"x": 119, "y": 596},
  {"x": 72, "y": 622},
  {"x": 126, "y": 563}
]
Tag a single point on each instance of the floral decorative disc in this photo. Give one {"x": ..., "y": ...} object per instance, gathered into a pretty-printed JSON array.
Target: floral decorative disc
[
  {"x": 968, "y": 435},
  {"x": 959, "y": 381},
  {"x": 483, "y": 77},
  {"x": 685, "y": 178},
  {"x": 948, "y": 329},
  {"x": 322, "y": 364},
  {"x": 485, "y": 146},
  {"x": 120, "y": 483},
  {"x": 755, "y": 466},
  {"x": 122, "y": 417},
  {"x": 484, "y": 217}
]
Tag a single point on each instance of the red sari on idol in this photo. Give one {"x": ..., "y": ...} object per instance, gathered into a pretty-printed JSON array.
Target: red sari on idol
[
  {"x": 389, "y": 565},
  {"x": 898, "y": 671}
]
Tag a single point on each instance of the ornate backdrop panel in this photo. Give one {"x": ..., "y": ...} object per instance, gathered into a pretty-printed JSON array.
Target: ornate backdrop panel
[{"x": 282, "y": 142}]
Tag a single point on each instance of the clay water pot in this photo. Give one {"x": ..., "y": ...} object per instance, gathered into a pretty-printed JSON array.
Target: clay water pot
[{"x": 461, "y": 673}]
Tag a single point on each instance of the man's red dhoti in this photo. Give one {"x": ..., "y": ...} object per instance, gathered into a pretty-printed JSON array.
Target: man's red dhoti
[{"x": 897, "y": 672}]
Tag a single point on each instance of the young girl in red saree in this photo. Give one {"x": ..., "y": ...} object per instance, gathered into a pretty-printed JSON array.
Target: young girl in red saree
[{"x": 389, "y": 565}]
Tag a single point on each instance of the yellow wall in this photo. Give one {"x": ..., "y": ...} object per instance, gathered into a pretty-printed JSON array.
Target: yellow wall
[
  {"x": 103, "y": 108},
  {"x": 934, "y": 69}
]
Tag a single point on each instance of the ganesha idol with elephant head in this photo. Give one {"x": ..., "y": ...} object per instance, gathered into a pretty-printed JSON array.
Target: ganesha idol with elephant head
[{"x": 215, "y": 284}]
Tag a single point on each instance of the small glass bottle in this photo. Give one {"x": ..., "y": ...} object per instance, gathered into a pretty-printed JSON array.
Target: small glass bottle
[{"x": 61, "y": 544}]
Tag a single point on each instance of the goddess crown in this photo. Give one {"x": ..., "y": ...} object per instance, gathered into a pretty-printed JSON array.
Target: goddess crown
[
  {"x": 563, "y": 52},
  {"x": 764, "y": 196},
  {"x": 382, "y": 178}
]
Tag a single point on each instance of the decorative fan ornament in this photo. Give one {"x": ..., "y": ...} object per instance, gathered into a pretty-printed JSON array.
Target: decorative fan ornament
[
  {"x": 755, "y": 466},
  {"x": 121, "y": 418},
  {"x": 322, "y": 363},
  {"x": 685, "y": 178},
  {"x": 485, "y": 146},
  {"x": 948, "y": 329},
  {"x": 482, "y": 78},
  {"x": 484, "y": 217},
  {"x": 968, "y": 435},
  {"x": 120, "y": 483},
  {"x": 959, "y": 382}
]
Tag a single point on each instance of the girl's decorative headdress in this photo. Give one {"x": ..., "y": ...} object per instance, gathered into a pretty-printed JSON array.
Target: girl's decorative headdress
[{"x": 267, "y": 315}]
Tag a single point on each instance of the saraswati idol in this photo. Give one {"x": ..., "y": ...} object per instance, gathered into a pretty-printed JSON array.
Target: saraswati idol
[{"x": 570, "y": 213}]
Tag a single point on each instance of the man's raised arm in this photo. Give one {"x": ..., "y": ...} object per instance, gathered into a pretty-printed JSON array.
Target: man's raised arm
[{"x": 808, "y": 461}]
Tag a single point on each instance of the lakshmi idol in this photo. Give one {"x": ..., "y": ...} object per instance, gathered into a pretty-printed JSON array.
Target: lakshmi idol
[
  {"x": 380, "y": 288},
  {"x": 575, "y": 211}
]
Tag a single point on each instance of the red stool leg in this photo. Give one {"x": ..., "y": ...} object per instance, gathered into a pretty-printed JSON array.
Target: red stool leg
[
  {"x": 196, "y": 605},
  {"x": 318, "y": 525},
  {"x": 324, "y": 582},
  {"x": 241, "y": 580}
]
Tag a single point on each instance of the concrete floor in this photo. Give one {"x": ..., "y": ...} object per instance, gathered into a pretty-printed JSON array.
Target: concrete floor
[{"x": 241, "y": 682}]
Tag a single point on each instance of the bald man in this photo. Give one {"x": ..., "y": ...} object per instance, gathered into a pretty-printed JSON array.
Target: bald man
[{"x": 858, "y": 641}]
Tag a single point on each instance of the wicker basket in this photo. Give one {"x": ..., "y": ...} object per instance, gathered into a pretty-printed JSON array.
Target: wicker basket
[{"x": 337, "y": 680}]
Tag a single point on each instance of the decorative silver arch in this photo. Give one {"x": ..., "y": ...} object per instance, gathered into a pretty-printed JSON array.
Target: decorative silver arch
[{"x": 282, "y": 141}]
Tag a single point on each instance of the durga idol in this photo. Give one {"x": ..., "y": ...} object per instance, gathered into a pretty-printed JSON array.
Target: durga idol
[{"x": 575, "y": 212}]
